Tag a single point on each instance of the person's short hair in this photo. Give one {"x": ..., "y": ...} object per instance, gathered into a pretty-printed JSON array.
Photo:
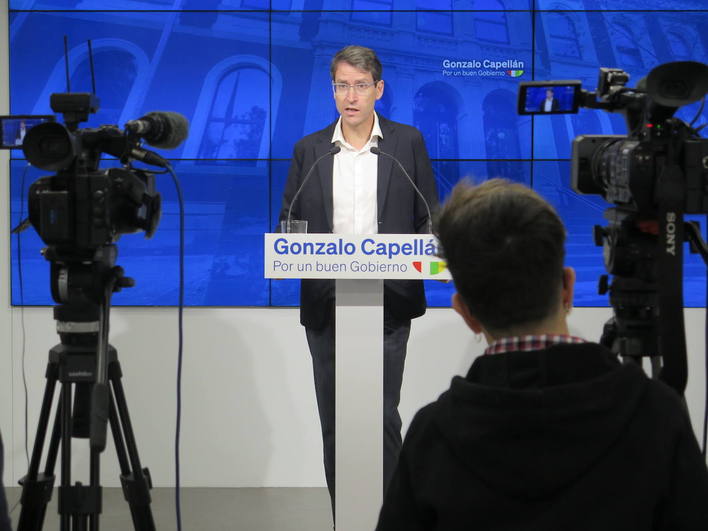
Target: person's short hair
[
  {"x": 359, "y": 57},
  {"x": 504, "y": 246}
]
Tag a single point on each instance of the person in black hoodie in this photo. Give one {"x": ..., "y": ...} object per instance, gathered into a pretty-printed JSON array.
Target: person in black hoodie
[{"x": 547, "y": 431}]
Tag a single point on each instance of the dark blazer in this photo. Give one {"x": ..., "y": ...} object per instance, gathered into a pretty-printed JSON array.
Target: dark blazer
[
  {"x": 554, "y": 105},
  {"x": 400, "y": 210}
]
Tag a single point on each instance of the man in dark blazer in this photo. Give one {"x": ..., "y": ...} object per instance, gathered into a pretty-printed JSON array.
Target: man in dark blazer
[
  {"x": 20, "y": 134},
  {"x": 355, "y": 191},
  {"x": 550, "y": 104}
]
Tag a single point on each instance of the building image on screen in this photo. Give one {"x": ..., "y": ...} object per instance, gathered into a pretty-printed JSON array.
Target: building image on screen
[{"x": 252, "y": 78}]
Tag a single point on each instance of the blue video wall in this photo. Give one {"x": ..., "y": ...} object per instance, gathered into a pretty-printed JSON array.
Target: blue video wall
[{"x": 252, "y": 77}]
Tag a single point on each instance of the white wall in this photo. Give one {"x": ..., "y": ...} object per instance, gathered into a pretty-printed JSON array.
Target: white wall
[{"x": 249, "y": 417}]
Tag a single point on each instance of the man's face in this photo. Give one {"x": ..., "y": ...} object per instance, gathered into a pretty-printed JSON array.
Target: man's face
[
  {"x": 356, "y": 109},
  {"x": 549, "y": 94}
]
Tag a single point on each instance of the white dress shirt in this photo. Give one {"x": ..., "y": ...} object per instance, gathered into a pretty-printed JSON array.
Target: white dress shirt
[{"x": 354, "y": 184}]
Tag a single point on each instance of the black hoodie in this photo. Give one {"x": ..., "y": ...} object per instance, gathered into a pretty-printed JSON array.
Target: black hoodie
[{"x": 559, "y": 439}]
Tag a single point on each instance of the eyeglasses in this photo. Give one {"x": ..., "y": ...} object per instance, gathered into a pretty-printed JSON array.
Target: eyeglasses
[{"x": 359, "y": 88}]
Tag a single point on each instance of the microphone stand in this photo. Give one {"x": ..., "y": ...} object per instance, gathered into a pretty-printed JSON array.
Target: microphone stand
[
  {"x": 333, "y": 151},
  {"x": 376, "y": 151}
]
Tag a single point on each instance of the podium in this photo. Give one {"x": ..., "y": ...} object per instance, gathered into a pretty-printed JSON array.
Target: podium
[{"x": 358, "y": 263}]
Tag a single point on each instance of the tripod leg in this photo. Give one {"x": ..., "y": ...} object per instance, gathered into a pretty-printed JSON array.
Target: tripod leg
[
  {"x": 95, "y": 484},
  {"x": 65, "y": 488},
  {"x": 53, "y": 451},
  {"x": 135, "y": 492},
  {"x": 77, "y": 503},
  {"x": 37, "y": 488},
  {"x": 118, "y": 440},
  {"x": 79, "y": 523},
  {"x": 135, "y": 480}
]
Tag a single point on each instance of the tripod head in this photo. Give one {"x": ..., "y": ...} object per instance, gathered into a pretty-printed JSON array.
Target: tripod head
[{"x": 630, "y": 256}]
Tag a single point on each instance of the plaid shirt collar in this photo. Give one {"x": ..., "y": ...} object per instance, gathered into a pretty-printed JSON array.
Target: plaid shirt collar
[{"x": 528, "y": 343}]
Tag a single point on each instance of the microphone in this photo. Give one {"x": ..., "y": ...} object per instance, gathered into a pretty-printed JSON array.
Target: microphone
[
  {"x": 111, "y": 140},
  {"x": 333, "y": 151},
  {"x": 376, "y": 151},
  {"x": 161, "y": 129}
]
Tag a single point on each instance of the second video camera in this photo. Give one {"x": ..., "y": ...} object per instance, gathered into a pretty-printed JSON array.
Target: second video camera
[{"x": 624, "y": 169}]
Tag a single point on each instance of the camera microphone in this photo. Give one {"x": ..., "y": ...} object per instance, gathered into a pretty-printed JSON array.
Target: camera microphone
[
  {"x": 161, "y": 129},
  {"x": 376, "y": 151}
]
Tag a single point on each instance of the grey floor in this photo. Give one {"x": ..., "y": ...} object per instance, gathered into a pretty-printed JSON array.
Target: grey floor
[{"x": 212, "y": 509}]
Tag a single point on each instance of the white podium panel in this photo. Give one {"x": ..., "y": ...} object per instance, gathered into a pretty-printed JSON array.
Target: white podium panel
[
  {"x": 359, "y": 404},
  {"x": 358, "y": 263}
]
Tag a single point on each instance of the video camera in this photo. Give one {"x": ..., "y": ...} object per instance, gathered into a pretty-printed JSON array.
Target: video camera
[
  {"x": 652, "y": 176},
  {"x": 623, "y": 169},
  {"x": 82, "y": 210}
]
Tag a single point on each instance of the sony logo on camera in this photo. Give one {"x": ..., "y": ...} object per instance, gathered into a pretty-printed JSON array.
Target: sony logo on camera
[{"x": 671, "y": 233}]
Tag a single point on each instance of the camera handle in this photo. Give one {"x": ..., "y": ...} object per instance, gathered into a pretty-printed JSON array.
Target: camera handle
[
  {"x": 100, "y": 394},
  {"x": 671, "y": 327}
]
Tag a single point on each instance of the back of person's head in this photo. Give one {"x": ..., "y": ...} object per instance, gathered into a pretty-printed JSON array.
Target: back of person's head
[{"x": 504, "y": 246}]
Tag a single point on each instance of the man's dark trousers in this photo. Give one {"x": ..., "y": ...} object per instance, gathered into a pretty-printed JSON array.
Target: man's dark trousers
[{"x": 321, "y": 343}]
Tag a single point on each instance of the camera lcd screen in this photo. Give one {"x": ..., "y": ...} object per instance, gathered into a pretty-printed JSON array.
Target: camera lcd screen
[
  {"x": 545, "y": 97},
  {"x": 14, "y": 128}
]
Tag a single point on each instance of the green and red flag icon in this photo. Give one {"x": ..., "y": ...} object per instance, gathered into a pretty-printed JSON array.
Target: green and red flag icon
[
  {"x": 515, "y": 73},
  {"x": 435, "y": 267}
]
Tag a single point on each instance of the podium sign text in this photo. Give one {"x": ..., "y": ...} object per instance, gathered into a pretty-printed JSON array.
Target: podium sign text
[{"x": 388, "y": 256}]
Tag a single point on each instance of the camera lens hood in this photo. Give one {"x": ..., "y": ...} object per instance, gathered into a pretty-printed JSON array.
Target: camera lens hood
[{"x": 50, "y": 146}]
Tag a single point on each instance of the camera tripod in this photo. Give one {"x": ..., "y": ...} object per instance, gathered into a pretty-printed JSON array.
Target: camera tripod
[
  {"x": 646, "y": 293},
  {"x": 91, "y": 395}
]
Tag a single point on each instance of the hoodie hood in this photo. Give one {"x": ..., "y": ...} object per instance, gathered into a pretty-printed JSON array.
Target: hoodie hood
[{"x": 530, "y": 423}]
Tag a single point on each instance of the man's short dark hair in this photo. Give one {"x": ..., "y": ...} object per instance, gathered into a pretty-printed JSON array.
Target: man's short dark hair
[
  {"x": 504, "y": 246},
  {"x": 360, "y": 57}
]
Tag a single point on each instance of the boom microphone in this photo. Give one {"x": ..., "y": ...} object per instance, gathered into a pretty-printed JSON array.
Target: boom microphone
[
  {"x": 333, "y": 151},
  {"x": 161, "y": 129},
  {"x": 376, "y": 151}
]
